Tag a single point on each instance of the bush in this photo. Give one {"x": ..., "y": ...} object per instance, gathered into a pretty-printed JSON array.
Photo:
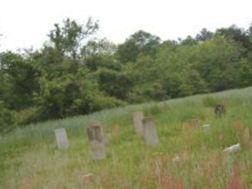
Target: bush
[
  {"x": 71, "y": 95},
  {"x": 7, "y": 119},
  {"x": 27, "y": 116}
]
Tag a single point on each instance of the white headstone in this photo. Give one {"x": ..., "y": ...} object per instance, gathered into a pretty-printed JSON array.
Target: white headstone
[
  {"x": 61, "y": 138},
  {"x": 97, "y": 141},
  {"x": 149, "y": 132},
  {"x": 138, "y": 122},
  {"x": 233, "y": 148}
]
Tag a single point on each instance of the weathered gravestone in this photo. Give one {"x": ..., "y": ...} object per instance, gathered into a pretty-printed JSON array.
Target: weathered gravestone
[
  {"x": 149, "y": 132},
  {"x": 219, "y": 110},
  {"x": 86, "y": 181},
  {"x": 61, "y": 138},
  {"x": 233, "y": 148},
  {"x": 206, "y": 128},
  {"x": 138, "y": 122},
  {"x": 97, "y": 141}
]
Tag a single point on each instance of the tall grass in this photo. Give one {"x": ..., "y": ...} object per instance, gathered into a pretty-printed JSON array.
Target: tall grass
[{"x": 186, "y": 157}]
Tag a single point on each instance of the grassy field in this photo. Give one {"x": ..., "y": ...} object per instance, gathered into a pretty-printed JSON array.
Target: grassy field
[{"x": 187, "y": 158}]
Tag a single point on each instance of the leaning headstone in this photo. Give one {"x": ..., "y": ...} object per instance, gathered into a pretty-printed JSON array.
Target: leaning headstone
[
  {"x": 137, "y": 121},
  {"x": 149, "y": 132},
  {"x": 61, "y": 138},
  {"x": 97, "y": 141},
  {"x": 233, "y": 148}
]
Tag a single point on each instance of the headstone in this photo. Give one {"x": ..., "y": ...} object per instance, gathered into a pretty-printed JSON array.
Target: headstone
[
  {"x": 138, "y": 122},
  {"x": 219, "y": 110},
  {"x": 97, "y": 141},
  {"x": 206, "y": 128},
  {"x": 61, "y": 138},
  {"x": 149, "y": 132},
  {"x": 233, "y": 148},
  {"x": 86, "y": 180}
]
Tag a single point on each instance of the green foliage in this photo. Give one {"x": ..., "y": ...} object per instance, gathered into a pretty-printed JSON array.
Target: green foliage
[
  {"x": 114, "y": 83},
  {"x": 139, "y": 43},
  {"x": 245, "y": 70},
  {"x": 7, "y": 119},
  {"x": 19, "y": 79},
  {"x": 217, "y": 62},
  {"x": 204, "y": 35},
  {"x": 237, "y": 34},
  {"x": 76, "y": 73},
  {"x": 69, "y": 95},
  {"x": 68, "y": 39},
  {"x": 26, "y": 116}
]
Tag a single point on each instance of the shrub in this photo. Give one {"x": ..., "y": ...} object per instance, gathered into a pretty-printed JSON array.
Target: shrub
[
  {"x": 7, "y": 119},
  {"x": 27, "y": 116}
]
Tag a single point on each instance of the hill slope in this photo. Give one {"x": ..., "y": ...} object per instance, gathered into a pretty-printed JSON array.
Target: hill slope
[{"x": 185, "y": 158}]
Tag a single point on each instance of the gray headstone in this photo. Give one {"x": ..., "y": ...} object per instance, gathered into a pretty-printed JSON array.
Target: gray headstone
[
  {"x": 97, "y": 141},
  {"x": 138, "y": 122},
  {"x": 206, "y": 128},
  {"x": 61, "y": 138},
  {"x": 149, "y": 131}
]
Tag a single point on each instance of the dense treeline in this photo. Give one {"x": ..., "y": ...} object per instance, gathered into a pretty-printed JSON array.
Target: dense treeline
[{"x": 75, "y": 73}]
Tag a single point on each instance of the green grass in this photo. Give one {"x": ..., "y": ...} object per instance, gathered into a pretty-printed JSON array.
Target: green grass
[{"x": 29, "y": 157}]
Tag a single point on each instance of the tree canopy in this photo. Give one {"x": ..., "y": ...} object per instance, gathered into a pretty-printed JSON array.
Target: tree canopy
[{"x": 77, "y": 73}]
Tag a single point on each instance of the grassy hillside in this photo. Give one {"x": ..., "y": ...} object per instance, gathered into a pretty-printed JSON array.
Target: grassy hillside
[{"x": 185, "y": 158}]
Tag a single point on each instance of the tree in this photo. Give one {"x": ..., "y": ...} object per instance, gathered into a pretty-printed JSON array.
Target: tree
[
  {"x": 204, "y": 35},
  {"x": 189, "y": 40},
  {"x": 19, "y": 79},
  {"x": 71, "y": 94},
  {"x": 99, "y": 54},
  {"x": 250, "y": 41},
  {"x": 69, "y": 38},
  {"x": 237, "y": 34},
  {"x": 114, "y": 83},
  {"x": 7, "y": 120},
  {"x": 95, "y": 47},
  {"x": 140, "y": 42},
  {"x": 177, "y": 71},
  {"x": 217, "y": 60}
]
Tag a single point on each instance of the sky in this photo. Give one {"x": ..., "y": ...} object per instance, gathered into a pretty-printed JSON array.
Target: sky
[{"x": 26, "y": 23}]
